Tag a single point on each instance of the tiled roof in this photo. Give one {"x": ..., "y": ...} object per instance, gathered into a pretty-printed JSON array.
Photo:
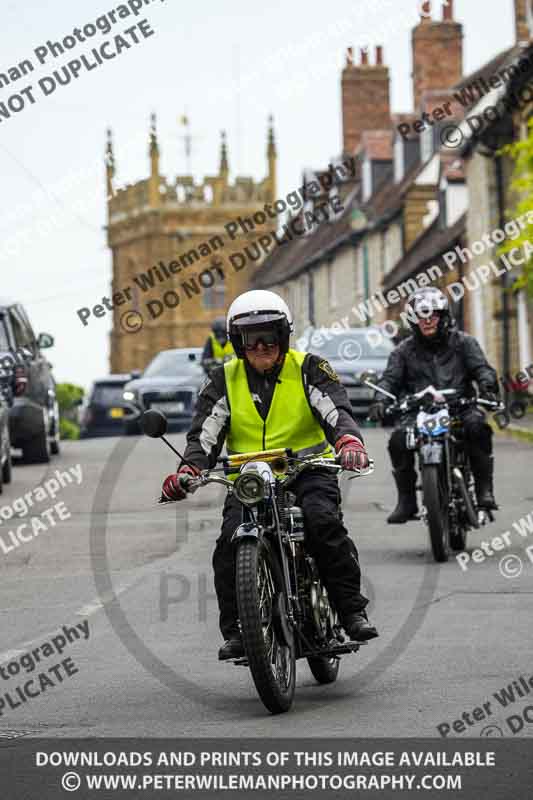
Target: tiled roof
[
  {"x": 490, "y": 68},
  {"x": 287, "y": 260},
  {"x": 426, "y": 250}
]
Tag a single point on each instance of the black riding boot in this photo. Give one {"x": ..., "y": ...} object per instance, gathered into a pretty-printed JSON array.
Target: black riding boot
[
  {"x": 407, "y": 507},
  {"x": 483, "y": 470}
]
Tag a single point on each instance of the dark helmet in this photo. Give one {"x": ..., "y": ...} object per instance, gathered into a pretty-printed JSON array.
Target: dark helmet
[
  {"x": 422, "y": 304},
  {"x": 218, "y": 326},
  {"x": 259, "y": 308}
]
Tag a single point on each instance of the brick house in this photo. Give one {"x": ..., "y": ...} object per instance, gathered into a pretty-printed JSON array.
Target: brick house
[{"x": 418, "y": 201}]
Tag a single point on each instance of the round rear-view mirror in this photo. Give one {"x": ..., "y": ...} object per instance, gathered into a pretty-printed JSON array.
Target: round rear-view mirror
[{"x": 154, "y": 423}]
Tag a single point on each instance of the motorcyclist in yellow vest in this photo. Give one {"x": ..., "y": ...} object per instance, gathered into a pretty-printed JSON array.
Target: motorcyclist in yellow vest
[
  {"x": 217, "y": 348},
  {"x": 271, "y": 396}
]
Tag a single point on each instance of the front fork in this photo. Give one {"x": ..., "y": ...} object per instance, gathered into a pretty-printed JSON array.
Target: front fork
[{"x": 438, "y": 453}]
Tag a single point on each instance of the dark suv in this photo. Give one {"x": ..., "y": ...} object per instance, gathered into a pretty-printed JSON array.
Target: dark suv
[
  {"x": 34, "y": 414},
  {"x": 105, "y": 410}
]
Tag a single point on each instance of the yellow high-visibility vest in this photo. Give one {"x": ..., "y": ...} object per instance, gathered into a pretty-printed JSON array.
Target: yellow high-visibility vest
[
  {"x": 290, "y": 421},
  {"x": 219, "y": 351}
]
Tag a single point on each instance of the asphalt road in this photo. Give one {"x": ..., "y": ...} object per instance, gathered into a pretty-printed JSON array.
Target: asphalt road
[{"x": 449, "y": 638}]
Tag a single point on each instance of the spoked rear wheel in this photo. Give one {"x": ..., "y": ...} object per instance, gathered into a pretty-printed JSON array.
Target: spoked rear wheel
[
  {"x": 438, "y": 512},
  {"x": 323, "y": 668},
  {"x": 267, "y": 641}
]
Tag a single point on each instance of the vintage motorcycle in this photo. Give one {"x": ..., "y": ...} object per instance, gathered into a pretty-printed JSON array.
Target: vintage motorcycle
[
  {"x": 434, "y": 430},
  {"x": 284, "y": 610}
]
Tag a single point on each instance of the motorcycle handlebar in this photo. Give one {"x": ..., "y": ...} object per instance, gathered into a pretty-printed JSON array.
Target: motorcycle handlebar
[
  {"x": 412, "y": 401},
  {"x": 190, "y": 483}
]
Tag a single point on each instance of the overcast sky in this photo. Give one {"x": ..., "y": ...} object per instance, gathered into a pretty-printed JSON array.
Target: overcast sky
[{"x": 286, "y": 57}]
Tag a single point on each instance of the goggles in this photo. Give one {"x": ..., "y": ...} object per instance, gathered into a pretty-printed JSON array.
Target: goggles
[
  {"x": 267, "y": 336},
  {"x": 426, "y": 312}
]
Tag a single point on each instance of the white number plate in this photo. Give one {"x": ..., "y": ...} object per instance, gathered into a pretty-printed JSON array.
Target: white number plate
[{"x": 170, "y": 407}]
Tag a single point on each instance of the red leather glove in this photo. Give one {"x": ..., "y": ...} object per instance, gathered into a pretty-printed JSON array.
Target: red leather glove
[
  {"x": 352, "y": 452},
  {"x": 173, "y": 488}
]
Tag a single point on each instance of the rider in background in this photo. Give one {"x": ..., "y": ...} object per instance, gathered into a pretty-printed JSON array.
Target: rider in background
[
  {"x": 270, "y": 397},
  {"x": 217, "y": 348},
  {"x": 438, "y": 354}
]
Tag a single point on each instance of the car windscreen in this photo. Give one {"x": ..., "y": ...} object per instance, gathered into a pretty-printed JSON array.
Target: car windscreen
[
  {"x": 348, "y": 345},
  {"x": 108, "y": 394},
  {"x": 174, "y": 365}
]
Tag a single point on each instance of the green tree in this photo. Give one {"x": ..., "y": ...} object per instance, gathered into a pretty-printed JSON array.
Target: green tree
[
  {"x": 68, "y": 398},
  {"x": 522, "y": 185}
]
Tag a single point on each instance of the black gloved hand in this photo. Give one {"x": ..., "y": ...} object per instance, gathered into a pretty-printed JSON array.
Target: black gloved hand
[{"x": 376, "y": 412}]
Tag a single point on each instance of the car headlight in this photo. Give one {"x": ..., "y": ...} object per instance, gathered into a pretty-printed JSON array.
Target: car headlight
[{"x": 129, "y": 396}]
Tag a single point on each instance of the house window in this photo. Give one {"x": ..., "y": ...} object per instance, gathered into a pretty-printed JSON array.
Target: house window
[
  {"x": 311, "y": 299},
  {"x": 214, "y": 296},
  {"x": 332, "y": 285}
]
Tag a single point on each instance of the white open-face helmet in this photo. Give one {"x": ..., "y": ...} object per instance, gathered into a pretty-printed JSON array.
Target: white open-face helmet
[
  {"x": 258, "y": 309},
  {"x": 426, "y": 301}
]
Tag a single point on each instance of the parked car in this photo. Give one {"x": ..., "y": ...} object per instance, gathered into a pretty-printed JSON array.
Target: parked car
[
  {"x": 6, "y": 398},
  {"x": 170, "y": 383},
  {"x": 351, "y": 352},
  {"x": 104, "y": 410},
  {"x": 34, "y": 414}
]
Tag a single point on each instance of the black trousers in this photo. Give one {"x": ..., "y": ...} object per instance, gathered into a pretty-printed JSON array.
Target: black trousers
[
  {"x": 318, "y": 494},
  {"x": 477, "y": 436}
]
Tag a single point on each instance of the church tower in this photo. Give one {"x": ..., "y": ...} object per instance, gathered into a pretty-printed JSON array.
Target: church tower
[{"x": 172, "y": 252}]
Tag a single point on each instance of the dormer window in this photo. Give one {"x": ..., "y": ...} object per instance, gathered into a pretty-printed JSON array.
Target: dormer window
[
  {"x": 426, "y": 144},
  {"x": 399, "y": 161},
  {"x": 367, "y": 179}
]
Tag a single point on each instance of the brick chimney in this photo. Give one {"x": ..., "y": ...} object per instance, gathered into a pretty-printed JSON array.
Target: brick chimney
[
  {"x": 437, "y": 52},
  {"x": 523, "y": 33},
  {"x": 365, "y": 98}
]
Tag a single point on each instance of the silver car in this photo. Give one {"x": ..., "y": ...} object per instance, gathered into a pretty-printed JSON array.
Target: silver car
[
  {"x": 170, "y": 383},
  {"x": 351, "y": 352}
]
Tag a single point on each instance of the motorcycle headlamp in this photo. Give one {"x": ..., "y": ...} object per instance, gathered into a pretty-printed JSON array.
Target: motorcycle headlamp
[{"x": 249, "y": 488}]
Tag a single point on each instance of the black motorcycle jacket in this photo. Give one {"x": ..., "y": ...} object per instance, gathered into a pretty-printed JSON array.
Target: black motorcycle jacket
[
  {"x": 457, "y": 362},
  {"x": 326, "y": 396}
]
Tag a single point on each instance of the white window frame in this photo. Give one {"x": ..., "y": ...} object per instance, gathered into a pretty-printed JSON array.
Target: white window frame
[{"x": 367, "y": 179}]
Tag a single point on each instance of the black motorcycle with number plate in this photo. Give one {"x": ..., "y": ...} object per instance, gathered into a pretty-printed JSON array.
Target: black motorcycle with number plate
[
  {"x": 432, "y": 422},
  {"x": 284, "y": 610}
]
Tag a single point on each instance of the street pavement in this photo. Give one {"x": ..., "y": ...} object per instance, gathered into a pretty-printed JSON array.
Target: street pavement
[{"x": 141, "y": 576}]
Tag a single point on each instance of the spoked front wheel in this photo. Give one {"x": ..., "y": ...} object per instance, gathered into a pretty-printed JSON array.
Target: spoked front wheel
[
  {"x": 267, "y": 639},
  {"x": 438, "y": 513}
]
